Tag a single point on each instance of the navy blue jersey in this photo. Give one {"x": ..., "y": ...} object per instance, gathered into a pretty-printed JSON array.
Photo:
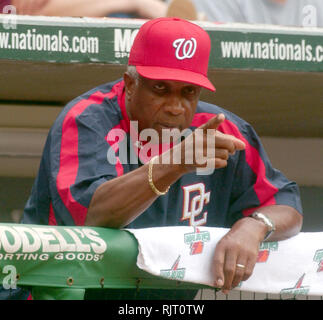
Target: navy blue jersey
[{"x": 75, "y": 163}]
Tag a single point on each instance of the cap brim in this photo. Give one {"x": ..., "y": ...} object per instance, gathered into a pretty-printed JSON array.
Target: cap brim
[{"x": 162, "y": 73}]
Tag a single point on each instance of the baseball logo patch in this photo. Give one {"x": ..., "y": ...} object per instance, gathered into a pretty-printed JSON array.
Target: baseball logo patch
[
  {"x": 185, "y": 49},
  {"x": 196, "y": 240},
  {"x": 195, "y": 197},
  {"x": 318, "y": 257},
  {"x": 174, "y": 272}
]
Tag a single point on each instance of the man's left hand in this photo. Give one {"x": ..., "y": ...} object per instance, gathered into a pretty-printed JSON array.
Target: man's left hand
[{"x": 236, "y": 253}]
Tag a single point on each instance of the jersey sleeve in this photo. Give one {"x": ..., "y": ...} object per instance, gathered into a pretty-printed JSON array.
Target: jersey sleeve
[
  {"x": 79, "y": 163},
  {"x": 256, "y": 182}
]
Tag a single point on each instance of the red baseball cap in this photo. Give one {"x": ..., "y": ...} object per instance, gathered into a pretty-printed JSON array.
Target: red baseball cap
[{"x": 172, "y": 49}]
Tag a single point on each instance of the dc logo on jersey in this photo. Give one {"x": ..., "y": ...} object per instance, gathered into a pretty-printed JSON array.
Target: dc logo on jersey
[
  {"x": 195, "y": 198},
  {"x": 185, "y": 49}
]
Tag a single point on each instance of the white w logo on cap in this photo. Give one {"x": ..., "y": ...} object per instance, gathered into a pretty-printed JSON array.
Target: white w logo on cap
[{"x": 185, "y": 49}]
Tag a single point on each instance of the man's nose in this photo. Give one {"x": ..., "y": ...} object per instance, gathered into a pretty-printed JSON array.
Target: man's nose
[{"x": 175, "y": 107}]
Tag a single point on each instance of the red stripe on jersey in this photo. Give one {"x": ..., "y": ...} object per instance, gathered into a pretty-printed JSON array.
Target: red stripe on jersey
[
  {"x": 69, "y": 155},
  {"x": 264, "y": 190},
  {"x": 125, "y": 123},
  {"x": 51, "y": 219},
  {"x": 201, "y": 118},
  {"x": 120, "y": 129},
  {"x": 114, "y": 137}
]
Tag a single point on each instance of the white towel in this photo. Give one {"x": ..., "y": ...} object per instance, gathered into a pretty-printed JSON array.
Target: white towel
[{"x": 293, "y": 266}]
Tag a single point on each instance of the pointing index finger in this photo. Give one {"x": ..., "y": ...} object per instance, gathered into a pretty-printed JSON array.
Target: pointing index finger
[{"x": 214, "y": 122}]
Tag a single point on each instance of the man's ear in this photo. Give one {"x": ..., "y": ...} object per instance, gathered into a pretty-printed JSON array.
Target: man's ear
[{"x": 129, "y": 82}]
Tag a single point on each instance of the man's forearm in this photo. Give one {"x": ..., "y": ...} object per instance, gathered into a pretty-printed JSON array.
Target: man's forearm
[
  {"x": 150, "y": 8},
  {"x": 288, "y": 221},
  {"x": 119, "y": 201},
  {"x": 89, "y": 8},
  {"x": 78, "y": 8}
]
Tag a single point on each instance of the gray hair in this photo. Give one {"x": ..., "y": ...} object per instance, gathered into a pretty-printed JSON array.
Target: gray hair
[{"x": 132, "y": 71}]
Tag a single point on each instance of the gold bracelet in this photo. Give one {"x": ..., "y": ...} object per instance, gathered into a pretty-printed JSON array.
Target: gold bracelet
[{"x": 150, "y": 178}]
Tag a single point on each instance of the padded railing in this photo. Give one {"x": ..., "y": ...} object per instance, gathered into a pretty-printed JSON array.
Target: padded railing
[{"x": 59, "y": 262}]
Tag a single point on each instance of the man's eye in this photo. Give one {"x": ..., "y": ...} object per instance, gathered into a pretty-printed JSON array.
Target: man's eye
[
  {"x": 159, "y": 87},
  {"x": 190, "y": 90}
]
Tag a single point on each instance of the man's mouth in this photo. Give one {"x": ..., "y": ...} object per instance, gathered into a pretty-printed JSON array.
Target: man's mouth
[{"x": 169, "y": 126}]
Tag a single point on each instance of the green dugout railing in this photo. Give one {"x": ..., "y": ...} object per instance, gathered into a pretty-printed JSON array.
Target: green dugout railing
[
  {"x": 88, "y": 40},
  {"x": 61, "y": 262}
]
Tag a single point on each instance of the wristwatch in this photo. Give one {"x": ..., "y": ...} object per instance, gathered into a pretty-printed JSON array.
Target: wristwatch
[{"x": 268, "y": 222}]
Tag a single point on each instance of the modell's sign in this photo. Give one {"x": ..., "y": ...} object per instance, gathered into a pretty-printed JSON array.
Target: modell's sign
[{"x": 23, "y": 242}]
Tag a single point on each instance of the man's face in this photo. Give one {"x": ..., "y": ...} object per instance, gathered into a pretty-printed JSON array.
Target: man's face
[{"x": 161, "y": 104}]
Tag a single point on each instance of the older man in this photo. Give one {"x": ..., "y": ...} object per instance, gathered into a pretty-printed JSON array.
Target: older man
[{"x": 106, "y": 161}]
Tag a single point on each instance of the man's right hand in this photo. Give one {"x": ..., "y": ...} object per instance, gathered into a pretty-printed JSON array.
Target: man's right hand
[{"x": 207, "y": 147}]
